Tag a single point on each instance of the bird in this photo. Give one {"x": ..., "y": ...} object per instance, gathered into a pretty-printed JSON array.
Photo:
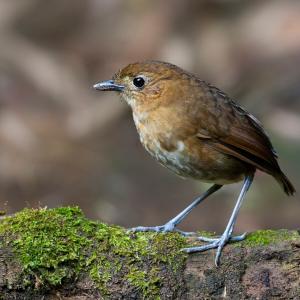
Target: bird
[{"x": 197, "y": 131}]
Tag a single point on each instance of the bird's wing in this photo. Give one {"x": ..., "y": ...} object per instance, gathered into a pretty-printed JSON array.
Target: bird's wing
[{"x": 238, "y": 133}]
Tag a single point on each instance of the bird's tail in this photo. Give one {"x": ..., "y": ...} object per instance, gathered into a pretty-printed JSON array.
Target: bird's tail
[{"x": 285, "y": 183}]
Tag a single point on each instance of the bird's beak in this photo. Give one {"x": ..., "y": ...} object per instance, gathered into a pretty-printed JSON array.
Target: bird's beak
[{"x": 108, "y": 85}]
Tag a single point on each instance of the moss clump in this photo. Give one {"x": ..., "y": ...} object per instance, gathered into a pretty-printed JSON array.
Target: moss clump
[
  {"x": 49, "y": 244},
  {"x": 139, "y": 257},
  {"x": 54, "y": 245},
  {"x": 266, "y": 237}
]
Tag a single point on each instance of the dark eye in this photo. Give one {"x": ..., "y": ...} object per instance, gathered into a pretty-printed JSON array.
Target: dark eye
[{"x": 139, "y": 82}]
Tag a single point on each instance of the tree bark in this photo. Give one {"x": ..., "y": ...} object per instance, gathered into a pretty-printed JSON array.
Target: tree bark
[{"x": 265, "y": 266}]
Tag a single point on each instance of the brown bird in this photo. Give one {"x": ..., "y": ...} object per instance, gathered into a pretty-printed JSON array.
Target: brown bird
[{"x": 196, "y": 131}]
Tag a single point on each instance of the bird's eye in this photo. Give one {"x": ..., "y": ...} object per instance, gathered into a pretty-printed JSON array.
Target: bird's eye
[{"x": 139, "y": 82}]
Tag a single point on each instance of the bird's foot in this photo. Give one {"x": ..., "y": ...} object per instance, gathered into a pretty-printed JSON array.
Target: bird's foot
[
  {"x": 213, "y": 243},
  {"x": 214, "y": 239},
  {"x": 168, "y": 227},
  {"x": 162, "y": 228}
]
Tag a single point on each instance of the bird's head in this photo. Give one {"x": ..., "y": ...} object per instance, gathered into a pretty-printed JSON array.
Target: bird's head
[{"x": 146, "y": 84}]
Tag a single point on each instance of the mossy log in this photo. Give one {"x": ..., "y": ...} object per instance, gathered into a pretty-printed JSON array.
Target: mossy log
[{"x": 60, "y": 254}]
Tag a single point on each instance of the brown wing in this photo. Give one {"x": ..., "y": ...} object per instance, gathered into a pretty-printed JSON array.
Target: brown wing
[
  {"x": 236, "y": 132},
  {"x": 247, "y": 145},
  {"x": 239, "y": 134}
]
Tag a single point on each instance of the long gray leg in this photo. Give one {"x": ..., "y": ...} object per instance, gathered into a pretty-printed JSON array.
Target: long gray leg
[
  {"x": 170, "y": 226},
  {"x": 219, "y": 243}
]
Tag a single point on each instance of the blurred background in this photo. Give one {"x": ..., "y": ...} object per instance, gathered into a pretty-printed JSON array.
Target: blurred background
[{"x": 62, "y": 143}]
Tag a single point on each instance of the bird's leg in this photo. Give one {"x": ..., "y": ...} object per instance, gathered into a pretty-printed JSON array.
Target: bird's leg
[
  {"x": 220, "y": 242},
  {"x": 170, "y": 225}
]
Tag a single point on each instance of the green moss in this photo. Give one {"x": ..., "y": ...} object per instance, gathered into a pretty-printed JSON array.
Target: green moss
[
  {"x": 140, "y": 257},
  {"x": 148, "y": 283},
  {"x": 54, "y": 245},
  {"x": 47, "y": 241},
  {"x": 266, "y": 237}
]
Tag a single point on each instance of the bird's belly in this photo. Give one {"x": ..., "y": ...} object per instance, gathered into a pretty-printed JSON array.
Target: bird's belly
[
  {"x": 197, "y": 162},
  {"x": 176, "y": 161}
]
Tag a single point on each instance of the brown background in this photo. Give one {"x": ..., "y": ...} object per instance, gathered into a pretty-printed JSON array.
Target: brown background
[{"x": 64, "y": 144}]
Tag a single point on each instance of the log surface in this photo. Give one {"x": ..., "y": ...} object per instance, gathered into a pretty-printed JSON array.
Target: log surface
[{"x": 248, "y": 270}]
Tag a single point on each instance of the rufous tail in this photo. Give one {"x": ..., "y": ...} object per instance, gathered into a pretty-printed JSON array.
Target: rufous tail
[{"x": 285, "y": 183}]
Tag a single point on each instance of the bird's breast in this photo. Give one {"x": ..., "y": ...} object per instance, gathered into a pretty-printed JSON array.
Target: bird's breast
[{"x": 161, "y": 142}]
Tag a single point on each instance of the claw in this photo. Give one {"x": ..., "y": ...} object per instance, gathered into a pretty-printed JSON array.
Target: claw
[
  {"x": 200, "y": 248},
  {"x": 143, "y": 229},
  {"x": 218, "y": 243},
  {"x": 168, "y": 227},
  {"x": 231, "y": 239}
]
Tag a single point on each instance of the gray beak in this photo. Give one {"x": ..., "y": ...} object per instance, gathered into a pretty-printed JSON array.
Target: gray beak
[{"x": 108, "y": 85}]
